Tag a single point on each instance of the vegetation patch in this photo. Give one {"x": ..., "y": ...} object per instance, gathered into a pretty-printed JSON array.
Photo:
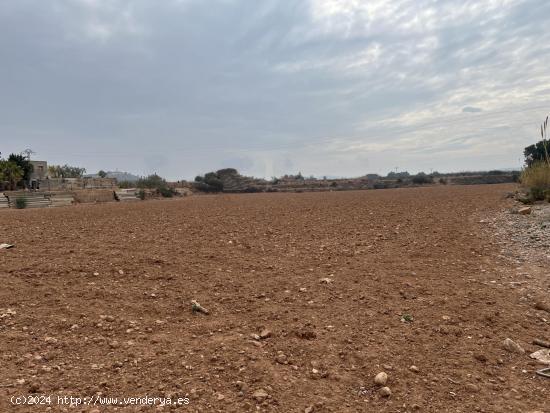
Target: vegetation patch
[
  {"x": 536, "y": 175},
  {"x": 20, "y": 203}
]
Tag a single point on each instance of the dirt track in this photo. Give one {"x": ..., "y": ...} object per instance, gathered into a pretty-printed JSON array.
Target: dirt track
[{"x": 256, "y": 261}]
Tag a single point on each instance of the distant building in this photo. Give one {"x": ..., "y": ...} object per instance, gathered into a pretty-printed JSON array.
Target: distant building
[{"x": 39, "y": 174}]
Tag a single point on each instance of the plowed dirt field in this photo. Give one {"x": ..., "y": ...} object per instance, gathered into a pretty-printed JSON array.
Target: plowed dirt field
[{"x": 95, "y": 300}]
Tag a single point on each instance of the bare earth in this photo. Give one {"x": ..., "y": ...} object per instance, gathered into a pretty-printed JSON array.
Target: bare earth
[{"x": 99, "y": 302}]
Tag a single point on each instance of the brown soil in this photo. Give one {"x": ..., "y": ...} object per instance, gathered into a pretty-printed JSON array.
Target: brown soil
[{"x": 101, "y": 295}]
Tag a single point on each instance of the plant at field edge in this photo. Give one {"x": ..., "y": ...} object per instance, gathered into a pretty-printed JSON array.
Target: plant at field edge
[{"x": 20, "y": 203}]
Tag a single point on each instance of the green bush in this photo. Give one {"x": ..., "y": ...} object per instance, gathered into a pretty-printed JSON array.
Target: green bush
[
  {"x": 222, "y": 173},
  {"x": 151, "y": 182},
  {"x": 421, "y": 179},
  {"x": 141, "y": 194},
  {"x": 166, "y": 192},
  {"x": 126, "y": 184},
  {"x": 20, "y": 203},
  {"x": 536, "y": 194},
  {"x": 211, "y": 181}
]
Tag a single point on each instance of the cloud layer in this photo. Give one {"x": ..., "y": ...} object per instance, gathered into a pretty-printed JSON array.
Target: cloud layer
[{"x": 326, "y": 87}]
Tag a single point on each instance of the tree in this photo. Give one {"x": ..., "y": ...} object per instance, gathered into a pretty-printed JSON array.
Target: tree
[
  {"x": 535, "y": 153},
  {"x": 153, "y": 181},
  {"x": 212, "y": 181},
  {"x": 539, "y": 152},
  {"x": 23, "y": 163},
  {"x": 102, "y": 174},
  {"x": 222, "y": 173},
  {"x": 10, "y": 172},
  {"x": 396, "y": 175},
  {"x": 66, "y": 171},
  {"x": 421, "y": 178},
  {"x": 158, "y": 183}
]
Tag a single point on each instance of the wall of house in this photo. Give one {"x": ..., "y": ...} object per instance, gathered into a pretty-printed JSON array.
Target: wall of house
[
  {"x": 72, "y": 184},
  {"x": 40, "y": 170}
]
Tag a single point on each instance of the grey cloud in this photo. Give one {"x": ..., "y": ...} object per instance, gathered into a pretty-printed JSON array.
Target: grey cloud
[
  {"x": 471, "y": 109},
  {"x": 322, "y": 86}
]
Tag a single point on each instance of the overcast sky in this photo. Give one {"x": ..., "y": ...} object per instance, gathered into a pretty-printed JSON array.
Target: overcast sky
[{"x": 325, "y": 87}]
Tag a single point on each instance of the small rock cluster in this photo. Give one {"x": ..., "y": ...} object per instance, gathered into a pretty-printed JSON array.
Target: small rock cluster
[
  {"x": 380, "y": 380},
  {"x": 527, "y": 227}
]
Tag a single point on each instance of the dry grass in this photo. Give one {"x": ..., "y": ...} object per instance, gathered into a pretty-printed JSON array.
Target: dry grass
[{"x": 536, "y": 176}]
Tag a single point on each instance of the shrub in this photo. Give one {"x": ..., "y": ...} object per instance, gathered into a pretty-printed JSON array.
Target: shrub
[
  {"x": 151, "y": 182},
  {"x": 66, "y": 171},
  {"x": 536, "y": 176},
  {"x": 141, "y": 194},
  {"x": 211, "y": 181},
  {"x": 536, "y": 194},
  {"x": 20, "y": 203},
  {"x": 526, "y": 200},
  {"x": 201, "y": 186},
  {"x": 442, "y": 181},
  {"x": 421, "y": 179},
  {"x": 227, "y": 172},
  {"x": 166, "y": 192},
  {"x": 126, "y": 184}
]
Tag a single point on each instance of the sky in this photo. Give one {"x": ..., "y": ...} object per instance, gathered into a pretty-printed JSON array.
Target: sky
[{"x": 322, "y": 87}]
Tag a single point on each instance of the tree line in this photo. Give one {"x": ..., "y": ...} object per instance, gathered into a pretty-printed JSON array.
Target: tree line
[{"x": 16, "y": 170}]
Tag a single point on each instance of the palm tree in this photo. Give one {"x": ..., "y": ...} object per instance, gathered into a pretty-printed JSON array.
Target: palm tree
[{"x": 10, "y": 172}]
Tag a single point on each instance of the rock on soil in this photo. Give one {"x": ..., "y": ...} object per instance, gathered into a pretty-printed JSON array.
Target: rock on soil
[
  {"x": 542, "y": 356},
  {"x": 260, "y": 395},
  {"x": 385, "y": 392},
  {"x": 265, "y": 333},
  {"x": 381, "y": 379},
  {"x": 524, "y": 211},
  {"x": 512, "y": 346}
]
